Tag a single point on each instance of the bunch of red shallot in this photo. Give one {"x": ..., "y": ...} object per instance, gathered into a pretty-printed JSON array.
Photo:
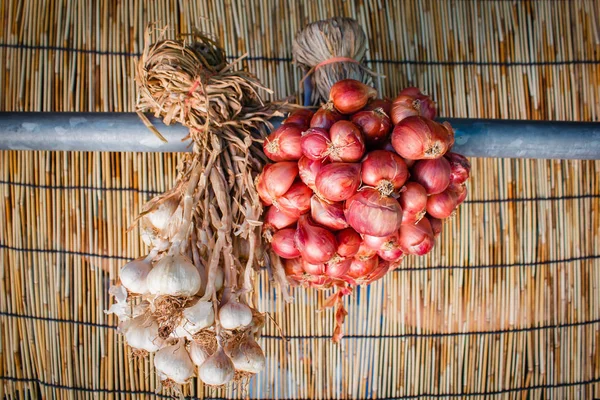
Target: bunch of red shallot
[{"x": 356, "y": 186}]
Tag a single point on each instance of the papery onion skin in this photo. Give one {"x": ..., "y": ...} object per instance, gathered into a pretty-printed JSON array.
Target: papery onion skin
[
  {"x": 349, "y": 95},
  {"x": 284, "y": 143},
  {"x": 283, "y": 243},
  {"x": 325, "y": 117},
  {"x": 315, "y": 143},
  {"x": 436, "y": 225},
  {"x": 411, "y": 102},
  {"x": 433, "y": 175},
  {"x": 328, "y": 214},
  {"x": 315, "y": 243},
  {"x": 275, "y": 180},
  {"x": 384, "y": 171},
  {"x": 338, "y": 181},
  {"x": 374, "y": 124},
  {"x": 349, "y": 242},
  {"x": 384, "y": 104},
  {"x": 369, "y": 213},
  {"x": 460, "y": 191},
  {"x": 347, "y": 142},
  {"x": 418, "y": 138},
  {"x": 300, "y": 117},
  {"x": 441, "y": 205},
  {"x": 413, "y": 200},
  {"x": 296, "y": 201},
  {"x": 416, "y": 238},
  {"x": 308, "y": 170},
  {"x": 460, "y": 168}
]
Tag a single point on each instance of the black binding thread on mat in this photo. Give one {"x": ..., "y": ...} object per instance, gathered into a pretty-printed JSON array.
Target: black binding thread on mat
[
  {"x": 414, "y": 396},
  {"x": 401, "y": 336},
  {"x": 21, "y": 46},
  {"x": 155, "y": 192}
]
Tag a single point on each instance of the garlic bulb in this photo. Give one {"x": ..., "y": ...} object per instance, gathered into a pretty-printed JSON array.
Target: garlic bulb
[
  {"x": 142, "y": 333},
  {"x": 174, "y": 362},
  {"x": 217, "y": 370},
  {"x": 133, "y": 275},
  {"x": 198, "y": 353},
  {"x": 160, "y": 217},
  {"x": 173, "y": 276},
  {"x": 195, "y": 318},
  {"x": 235, "y": 315},
  {"x": 247, "y": 355},
  {"x": 219, "y": 277}
]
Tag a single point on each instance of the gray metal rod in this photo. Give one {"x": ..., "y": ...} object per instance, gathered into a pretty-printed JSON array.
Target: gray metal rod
[{"x": 125, "y": 132}]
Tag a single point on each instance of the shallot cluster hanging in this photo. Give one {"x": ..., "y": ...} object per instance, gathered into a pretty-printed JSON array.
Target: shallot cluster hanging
[{"x": 356, "y": 186}]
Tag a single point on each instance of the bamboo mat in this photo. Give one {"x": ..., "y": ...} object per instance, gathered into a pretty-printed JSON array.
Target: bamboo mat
[{"x": 506, "y": 306}]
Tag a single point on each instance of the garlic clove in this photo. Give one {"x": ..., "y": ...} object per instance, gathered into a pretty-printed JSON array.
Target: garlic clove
[
  {"x": 217, "y": 370},
  {"x": 141, "y": 333},
  {"x": 174, "y": 362},
  {"x": 195, "y": 318},
  {"x": 133, "y": 275},
  {"x": 235, "y": 315},
  {"x": 198, "y": 353},
  {"x": 247, "y": 356},
  {"x": 174, "y": 276}
]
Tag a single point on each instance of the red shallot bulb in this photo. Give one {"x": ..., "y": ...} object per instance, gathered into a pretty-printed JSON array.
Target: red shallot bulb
[
  {"x": 362, "y": 268},
  {"x": 450, "y": 140},
  {"x": 384, "y": 170},
  {"x": 459, "y": 166},
  {"x": 382, "y": 268},
  {"x": 369, "y": 213},
  {"x": 315, "y": 143},
  {"x": 283, "y": 243},
  {"x": 325, "y": 117},
  {"x": 393, "y": 255},
  {"x": 364, "y": 252},
  {"x": 315, "y": 243},
  {"x": 413, "y": 200},
  {"x": 300, "y": 117},
  {"x": 381, "y": 243},
  {"x": 441, "y": 205},
  {"x": 416, "y": 238},
  {"x": 330, "y": 215},
  {"x": 284, "y": 143},
  {"x": 275, "y": 220},
  {"x": 460, "y": 191},
  {"x": 308, "y": 170},
  {"x": 418, "y": 138},
  {"x": 411, "y": 102},
  {"x": 349, "y": 242},
  {"x": 337, "y": 267},
  {"x": 433, "y": 175},
  {"x": 313, "y": 269},
  {"x": 338, "y": 181},
  {"x": 347, "y": 143},
  {"x": 293, "y": 268},
  {"x": 383, "y": 104},
  {"x": 296, "y": 201},
  {"x": 374, "y": 124},
  {"x": 275, "y": 180},
  {"x": 436, "y": 225},
  {"x": 349, "y": 95}
]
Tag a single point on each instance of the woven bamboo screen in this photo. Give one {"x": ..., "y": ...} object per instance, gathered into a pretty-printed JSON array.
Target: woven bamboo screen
[{"x": 508, "y": 304}]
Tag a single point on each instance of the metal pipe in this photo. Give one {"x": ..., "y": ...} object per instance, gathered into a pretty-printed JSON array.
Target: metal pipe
[{"x": 125, "y": 132}]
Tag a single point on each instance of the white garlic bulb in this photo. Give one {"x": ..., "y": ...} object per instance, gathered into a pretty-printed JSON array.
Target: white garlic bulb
[
  {"x": 247, "y": 355},
  {"x": 141, "y": 333},
  {"x": 133, "y": 275},
  {"x": 219, "y": 277},
  {"x": 174, "y": 362},
  {"x": 217, "y": 370},
  {"x": 235, "y": 315},
  {"x": 174, "y": 276},
  {"x": 195, "y": 318},
  {"x": 160, "y": 217},
  {"x": 198, "y": 353}
]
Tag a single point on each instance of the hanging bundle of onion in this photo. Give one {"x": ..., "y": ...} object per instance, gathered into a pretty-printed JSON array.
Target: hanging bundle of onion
[{"x": 204, "y": 234}]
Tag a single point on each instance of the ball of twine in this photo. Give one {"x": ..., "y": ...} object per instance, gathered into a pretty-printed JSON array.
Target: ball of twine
[{"x": 332, "y": 50}]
